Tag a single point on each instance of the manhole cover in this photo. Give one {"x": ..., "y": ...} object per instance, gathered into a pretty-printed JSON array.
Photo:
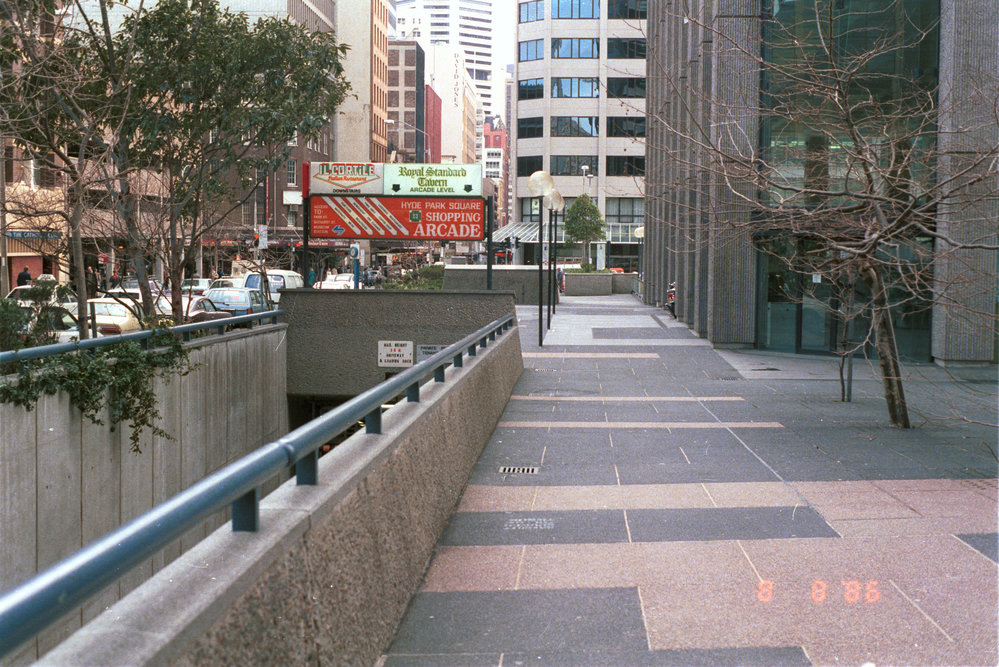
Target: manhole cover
[{"x": 518, "y": 470}]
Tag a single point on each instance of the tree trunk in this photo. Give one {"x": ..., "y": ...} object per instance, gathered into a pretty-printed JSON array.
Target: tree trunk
[
  {"x": 79, "y": 273},
  {"x": 884, "y": 336}
]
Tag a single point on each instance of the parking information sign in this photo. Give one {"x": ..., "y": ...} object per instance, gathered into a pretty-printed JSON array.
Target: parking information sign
[
  {"x": 417, "y": 218},
  {"x": 395, "y": 353}
]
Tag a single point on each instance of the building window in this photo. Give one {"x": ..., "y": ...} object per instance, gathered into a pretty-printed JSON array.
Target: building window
[
  {"x": 572, "y": 165},
  {"x": 626, "y": 165},
  {"x": 530, "y": 128},
  {"x": 530, "y": 209},
  {"x": 571, "y": 86},
  {"x": 532, "y": 11},
  {"x": 575, "y": 9},
  {"x": 575, "y": 47},
  {"x": 532, "y": 50},
  {"x": 529, "y": 164},
  {"x": 626, "y": 126},
  {"x": 625, "y": 86},
  {"x": 247, "y": 214},
  {"x": 531, "y": 89},
  {"x": 292, "y": 216},
  {"x": 623, "y": 216},
  {"x": 575, "y": 126},
  {"x": 292, "y": 172},
  {"x": 621, "y": 49},
  {"x": 627, "y": 9}
]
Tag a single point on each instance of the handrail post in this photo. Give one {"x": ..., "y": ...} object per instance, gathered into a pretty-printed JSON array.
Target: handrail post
[
  {"x": 439, "y": 374},
  {"x": 373, "y": 421},
  {"x": 246, "y": 512},
  {"x": 457, "y": 360},
  {"x": 413, "y": 393},
  {"x": 307, "y": 469}
]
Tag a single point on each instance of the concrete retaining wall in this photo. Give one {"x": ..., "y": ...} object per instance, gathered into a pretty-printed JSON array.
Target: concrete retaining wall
[
  {"x": 329, "y": 575},
  {"x": 624, "y": 283},
  {"x": 520, "y": 279},
  {"x": 333, "y": 335},
  {"x": 589, "y": 284},
  {"x": 64, "y": 481}
]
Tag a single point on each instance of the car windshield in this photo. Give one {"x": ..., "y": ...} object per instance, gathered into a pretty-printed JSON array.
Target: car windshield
[
  {"x": 229, "y": 297},
  {"x": 109, "y": 309}
]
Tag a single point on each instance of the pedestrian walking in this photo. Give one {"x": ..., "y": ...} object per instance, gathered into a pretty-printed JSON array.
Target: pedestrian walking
[{"x": 24, "y": 277}]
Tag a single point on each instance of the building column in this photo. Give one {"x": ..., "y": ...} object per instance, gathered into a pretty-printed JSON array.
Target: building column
[
  {"x": 734, "y": 98},
  {"x": 965, "y": 279}
]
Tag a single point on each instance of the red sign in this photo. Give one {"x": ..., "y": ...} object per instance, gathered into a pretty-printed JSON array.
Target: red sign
[{"x": 431, "y": 218}]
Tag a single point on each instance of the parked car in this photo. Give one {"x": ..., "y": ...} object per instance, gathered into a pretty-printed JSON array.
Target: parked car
[
  {"x": 195, "y": 308},
  {"x": 237, "y": 300},
  {"x": 113, "y": 317},
  {"x": 277, "y": 279},
  {"x": 339, "y": 281},
  {"x": 61, "y": 295},
  {"x": 195, "y": 285},
  {"x": 52, "y": 324}
]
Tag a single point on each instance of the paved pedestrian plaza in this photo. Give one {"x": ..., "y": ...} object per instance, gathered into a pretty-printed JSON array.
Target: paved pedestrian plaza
[{"x": 648, "y": 500}]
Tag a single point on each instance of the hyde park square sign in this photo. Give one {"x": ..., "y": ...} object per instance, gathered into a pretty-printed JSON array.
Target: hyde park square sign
[{"x": 363, "y": 200}]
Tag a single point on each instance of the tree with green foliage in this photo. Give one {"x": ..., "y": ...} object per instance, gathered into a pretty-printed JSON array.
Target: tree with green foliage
[{"x": 585, "y": 224}]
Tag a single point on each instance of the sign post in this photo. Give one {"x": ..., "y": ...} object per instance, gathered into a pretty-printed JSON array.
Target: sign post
[{"x": 355, "y": 254}]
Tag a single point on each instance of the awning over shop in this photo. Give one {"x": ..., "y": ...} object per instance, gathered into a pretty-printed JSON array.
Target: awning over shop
[{"x": 526, "y": 232}]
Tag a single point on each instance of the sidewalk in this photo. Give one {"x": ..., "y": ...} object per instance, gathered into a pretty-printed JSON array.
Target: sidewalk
[{"x": 647, "y": 500}]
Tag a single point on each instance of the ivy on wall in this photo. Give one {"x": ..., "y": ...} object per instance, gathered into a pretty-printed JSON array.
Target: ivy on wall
[{"x": 119, "y": 377}]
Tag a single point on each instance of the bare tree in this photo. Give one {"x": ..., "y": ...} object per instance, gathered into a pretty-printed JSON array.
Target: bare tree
[{"x": 820, "y": 132}]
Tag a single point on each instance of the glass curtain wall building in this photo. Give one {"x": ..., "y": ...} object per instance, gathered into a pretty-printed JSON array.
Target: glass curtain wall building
[{"x": 817, "y": 114}]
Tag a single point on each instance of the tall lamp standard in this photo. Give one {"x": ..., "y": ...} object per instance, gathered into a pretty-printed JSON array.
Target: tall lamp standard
[
  {"x": 541, "y": 184},
  {"x": 556, "y": 204},
  {"x": 426, "y": 150}
]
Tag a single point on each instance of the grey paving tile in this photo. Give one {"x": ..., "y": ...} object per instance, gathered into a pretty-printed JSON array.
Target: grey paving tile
[
  {"x": 986, "y": 543},
  {"x": 727, "y": 523},
  {"x": 689, "y": 474},
  {"x": 509, "y": 528},
  {"x": 718, "y": 657},
  {"x": 548, "y": 475},
  {"x": 542, "y": 622}
]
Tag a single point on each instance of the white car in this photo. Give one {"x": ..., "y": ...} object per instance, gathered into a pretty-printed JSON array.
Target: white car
[{"x": 339, "y": 281}]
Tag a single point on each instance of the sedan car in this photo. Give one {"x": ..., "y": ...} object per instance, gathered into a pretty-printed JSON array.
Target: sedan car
[
  {"x": 195, "y": 285},
  {"x": 237, "y": 300},
  {"x": 339, "y": 281},
  {"x": 112, "y": 316},
  {"x": 52, "y": 324}
]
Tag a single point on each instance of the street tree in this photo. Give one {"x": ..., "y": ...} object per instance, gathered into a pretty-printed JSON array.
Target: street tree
[
  {"x": 830, "y": 144},
  {"x": 584, "y": 224},
  {"x": 218, "y": 101}
]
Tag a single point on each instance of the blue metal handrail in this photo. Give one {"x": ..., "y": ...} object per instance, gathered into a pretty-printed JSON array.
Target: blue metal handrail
[
  {"x": 91, "y": 343},
  {"x": 33, "y": 606}
]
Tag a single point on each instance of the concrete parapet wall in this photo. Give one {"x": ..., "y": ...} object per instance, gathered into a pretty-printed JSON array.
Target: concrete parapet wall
[
  {"x": 589, "y": 284},
  {"x": 624, "y": 283},
  {"x": 329, "y": 575},
  {"x": 520, "y": 279},
  {"x": 66, "y": 482},
  {"x": 333, "y": 335}
]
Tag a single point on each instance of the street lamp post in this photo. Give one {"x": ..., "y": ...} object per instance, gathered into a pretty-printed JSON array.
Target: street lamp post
[
  {"x": 541, "y": 184},
  {"x": 555, "y": 206},
  {"x": 392, "y": 121}
]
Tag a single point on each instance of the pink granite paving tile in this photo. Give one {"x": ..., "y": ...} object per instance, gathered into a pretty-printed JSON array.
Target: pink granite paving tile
[
  {"x": 951, "y": 502},
  {"x": 481, "y": 498},
  {"x": 853, "y": 500},
  {"x": 753, "y": 494},
  {"x": 473, "y": 569},
  {"x": 913, "y": 650},
  {"x": 638, "y": 496},
  {"x": 864, "y": 559},
  {"x": 726, "y": 614},
  {"x": 913, "y": 527},
  {"x": 966, "y": 609},
  {"x": 601, "y": 565}
]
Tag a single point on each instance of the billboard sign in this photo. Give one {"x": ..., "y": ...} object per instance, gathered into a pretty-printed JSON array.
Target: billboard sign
[
  {"x": 346, "y": 178},
  {"x": 437, "y": 218},
  {"x": 433, "y": 180}
]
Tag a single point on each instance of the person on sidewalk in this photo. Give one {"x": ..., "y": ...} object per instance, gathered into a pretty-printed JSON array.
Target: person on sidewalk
[{"x": 24, "y": 277}]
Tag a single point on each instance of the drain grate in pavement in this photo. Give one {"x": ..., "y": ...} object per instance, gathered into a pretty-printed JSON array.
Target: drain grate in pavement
[{"x": 518, "y": 470}]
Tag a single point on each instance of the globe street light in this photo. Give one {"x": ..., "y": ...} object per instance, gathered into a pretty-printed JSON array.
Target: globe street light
[
  {"x": 541, "y": 184},
  {"x": 426, "y": 137}
]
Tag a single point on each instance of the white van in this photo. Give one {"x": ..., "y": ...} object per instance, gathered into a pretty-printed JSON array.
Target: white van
[{"x": 276, "y": 279}]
